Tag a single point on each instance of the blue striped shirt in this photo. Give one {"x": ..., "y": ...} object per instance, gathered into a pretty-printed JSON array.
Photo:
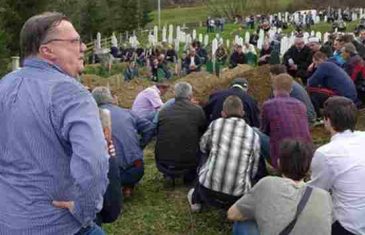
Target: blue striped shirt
[{"x": 51, "y": 148}]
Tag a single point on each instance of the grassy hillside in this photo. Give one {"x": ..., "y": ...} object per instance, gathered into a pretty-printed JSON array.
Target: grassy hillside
[{"x": 194, "y": 14}]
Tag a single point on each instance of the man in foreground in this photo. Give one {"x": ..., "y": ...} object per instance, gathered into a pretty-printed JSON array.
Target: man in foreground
[
  {"x": 339, "y": 166},
  {"x": 53, "y": 156}
]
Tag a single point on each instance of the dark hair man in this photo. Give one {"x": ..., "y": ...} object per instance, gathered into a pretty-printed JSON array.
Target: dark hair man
[
  {"x": 53, "y": 156},
  {"x": 339, "y": 166}
]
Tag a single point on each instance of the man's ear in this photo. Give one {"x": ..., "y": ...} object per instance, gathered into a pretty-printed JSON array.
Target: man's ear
[{"x": 46, "y": 52}]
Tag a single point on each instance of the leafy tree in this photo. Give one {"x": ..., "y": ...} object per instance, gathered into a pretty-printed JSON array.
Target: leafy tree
[
  {"x": 13, "y": 16},
  {"x": 4, "y": 54}
]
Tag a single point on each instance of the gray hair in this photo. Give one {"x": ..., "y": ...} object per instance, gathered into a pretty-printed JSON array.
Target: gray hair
[
  {"x": 36, "y": 29},
  {"x": 183, "y": 90},
  {"x": 349, "y": 48},
  {"x": 102, "y": 95}
]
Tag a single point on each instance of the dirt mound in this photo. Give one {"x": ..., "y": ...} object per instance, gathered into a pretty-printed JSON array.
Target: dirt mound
[{"x": 203, "y": 84}]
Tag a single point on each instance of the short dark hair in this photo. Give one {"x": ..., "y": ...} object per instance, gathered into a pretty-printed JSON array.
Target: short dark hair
[
  {"x": 295, "y": 158},
  {"x": 36, "y": 29},
  {"x": 319, "y": 56},
  {"x": 277, "y": 69},
  {"x": 232, "y": 105},
  {"x": 342, "y": 113}
]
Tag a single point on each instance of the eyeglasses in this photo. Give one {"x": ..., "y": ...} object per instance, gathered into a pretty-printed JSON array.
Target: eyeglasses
[{"x": 72, "y": 41}]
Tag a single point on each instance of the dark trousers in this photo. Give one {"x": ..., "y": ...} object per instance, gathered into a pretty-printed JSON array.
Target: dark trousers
[
  {"x": 217, "y": 199},
  {"x": 112, "y": 204},
  {"x": 337, "y": 229},
  {"x": 131, "y": 176},
  {"x": 318, "y": 100},
  {"x": 168, "y": 169}
]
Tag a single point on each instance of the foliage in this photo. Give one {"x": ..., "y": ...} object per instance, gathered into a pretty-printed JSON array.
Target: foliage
[
  {"x": 101, "y": 71},
  {"x": 15, "y": 13},
  {"x": 4, "y": 54}
]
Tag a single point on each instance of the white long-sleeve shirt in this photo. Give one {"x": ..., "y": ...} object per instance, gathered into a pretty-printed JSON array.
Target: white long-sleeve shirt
[{"x": 339, "y": 167}]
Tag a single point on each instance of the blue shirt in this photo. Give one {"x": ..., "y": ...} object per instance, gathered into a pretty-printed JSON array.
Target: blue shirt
[
  {"x": 329, "y": 75},
  {"x": 130, "y": 133},
  {"x": 301, "y": 94},
  {"x": 51, "y": 148}
]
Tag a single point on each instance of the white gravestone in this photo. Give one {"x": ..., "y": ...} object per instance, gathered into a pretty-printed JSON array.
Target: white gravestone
[
  {"x": 155, "y": 33},
  {"x": 206, "y": 40},
  {"x": 247, "y": 37},
  {"x": 164, "y": 34},
  {"x": 200, "y": 37}
]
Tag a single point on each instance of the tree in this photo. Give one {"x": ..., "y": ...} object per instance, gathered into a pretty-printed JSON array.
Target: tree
[
  {"x": 4, "y": 53},
  {"x": 14, "y": 15},
  {"x": 94, "y": 19}
]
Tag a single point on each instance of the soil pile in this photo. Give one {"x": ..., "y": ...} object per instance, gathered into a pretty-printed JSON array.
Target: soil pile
[{"x": 203, "y": 84}]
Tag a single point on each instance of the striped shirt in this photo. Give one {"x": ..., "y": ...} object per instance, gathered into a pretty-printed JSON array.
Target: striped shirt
[
  {"x": 52, "y": 147},
  {"x": 234, "y": 151}
]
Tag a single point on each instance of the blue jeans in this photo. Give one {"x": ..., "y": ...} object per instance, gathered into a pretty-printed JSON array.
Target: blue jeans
[
  {"x": 91, "y": 230},
  {"x": 248, "y": 227}
]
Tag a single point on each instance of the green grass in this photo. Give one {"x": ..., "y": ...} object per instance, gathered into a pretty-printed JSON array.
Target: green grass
[
  {"x": 195, "y": 14},
  {"x": 158, "y": 209},
  {"x": 182, "y": 15}
]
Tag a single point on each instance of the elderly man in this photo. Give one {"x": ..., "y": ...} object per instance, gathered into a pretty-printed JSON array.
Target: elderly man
[
  {"x": 180, "y": 126},
  {"x": 297, "y": 59},
  {"x": 53, "y": 155},
  {"x": 284, "y": 117},
  {"x": 315, "y": 45},
  {"x": 339, "y": 166},
  {"x": 130, "y": 133},
  {"x": 149, "y": 101}
]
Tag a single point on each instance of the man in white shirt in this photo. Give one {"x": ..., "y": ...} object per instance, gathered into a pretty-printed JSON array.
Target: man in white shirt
[{"x": 339, "y": 166}]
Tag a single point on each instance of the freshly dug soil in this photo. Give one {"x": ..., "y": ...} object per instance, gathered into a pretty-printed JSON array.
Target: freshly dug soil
[{"x": 203, "y": 85}]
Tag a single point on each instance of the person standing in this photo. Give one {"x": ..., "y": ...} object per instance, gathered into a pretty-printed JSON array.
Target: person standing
[{"x": 53, "y": 155}]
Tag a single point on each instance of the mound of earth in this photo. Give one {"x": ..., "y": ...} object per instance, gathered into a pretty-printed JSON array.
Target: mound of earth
[{"x": 203, "y": 84}]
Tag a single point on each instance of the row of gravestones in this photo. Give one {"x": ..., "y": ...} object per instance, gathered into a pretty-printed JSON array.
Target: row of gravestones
[{"x": 180, "y": 36}]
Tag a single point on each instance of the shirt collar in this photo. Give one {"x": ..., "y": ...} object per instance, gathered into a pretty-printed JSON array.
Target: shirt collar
[
  {"x": 341, "y": 134},
  {"x": 41, "y": 63}
]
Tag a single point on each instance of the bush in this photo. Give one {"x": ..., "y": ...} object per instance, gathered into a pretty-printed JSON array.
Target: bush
[{"x": 4, "y": 55}]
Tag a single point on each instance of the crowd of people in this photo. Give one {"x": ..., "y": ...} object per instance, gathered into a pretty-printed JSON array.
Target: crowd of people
[{"x": 69, "y": 156}]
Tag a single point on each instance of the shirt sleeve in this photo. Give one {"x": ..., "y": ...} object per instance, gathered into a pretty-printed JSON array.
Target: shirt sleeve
[
  {"x": 155, "y": 99},
  {"x": 321, "y": 172},
  {"x": 316, "y": 80},
  {"x": 76, "y": 117},
  {"x": 256, "y": 154},
  {"x": 145, "y": 128}
]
